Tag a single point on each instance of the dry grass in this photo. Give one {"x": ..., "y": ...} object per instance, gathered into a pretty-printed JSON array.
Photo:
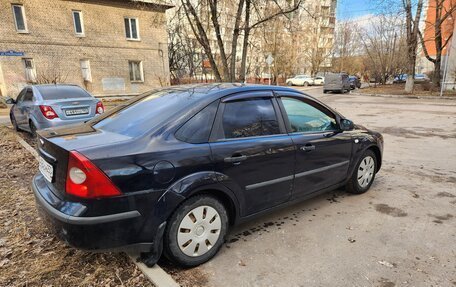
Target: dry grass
[
  {"x": 29, "y": 254},
  {"x": 398, "y": 89}
]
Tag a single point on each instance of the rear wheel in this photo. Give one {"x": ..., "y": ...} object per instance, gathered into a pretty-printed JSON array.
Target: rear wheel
[
  {"x": 364, "y": 174},
  {"x": 32, "y": 129},
  {"x": 305, "y": 84},
  {"x": 196, "y": 231}
]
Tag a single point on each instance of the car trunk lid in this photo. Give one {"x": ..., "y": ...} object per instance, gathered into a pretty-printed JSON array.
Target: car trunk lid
[
  {"x": 74, "y": 108},
  {"x": 54, "y": 146}
]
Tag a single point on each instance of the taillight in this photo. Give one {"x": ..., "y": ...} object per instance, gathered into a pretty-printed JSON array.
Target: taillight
[
  {"x": 48, "y": 112},
  {"x": 100, "y": 108},
  {"x": 86, "y": 180}
]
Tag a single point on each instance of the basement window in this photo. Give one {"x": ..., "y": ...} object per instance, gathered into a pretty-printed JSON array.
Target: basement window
[
  {"x": 19, "y": 18},
  {"x": 131, "y": 28},
  {"x": 78, "y": 23}
]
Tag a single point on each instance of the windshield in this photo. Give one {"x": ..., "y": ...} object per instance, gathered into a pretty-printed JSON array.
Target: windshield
[{"x": 140, "y": 116}]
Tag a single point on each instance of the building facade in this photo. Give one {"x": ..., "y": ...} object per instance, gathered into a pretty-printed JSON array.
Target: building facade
[{"x": 109, "y": 47}]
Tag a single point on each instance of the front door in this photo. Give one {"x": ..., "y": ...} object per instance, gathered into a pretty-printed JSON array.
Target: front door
[
  {"x": 252, "y": 150},
  {"x": 322, "y": 151}
]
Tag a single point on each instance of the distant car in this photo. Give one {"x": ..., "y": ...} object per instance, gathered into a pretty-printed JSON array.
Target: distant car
[
  {"x": 43, "y": 106},
  {"x": 354, "y": 82},
  {"x": 319, "y": 80},
  {"x": 419, "y": 78},
  {"x": 399, "y": 79},
  {"x": 300, "y": 80},
  {"x": 336, "y": 82}
]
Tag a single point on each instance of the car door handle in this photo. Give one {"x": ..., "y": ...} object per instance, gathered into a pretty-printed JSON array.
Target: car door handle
[
  {"x": 235, "y": 159},
  {"x": 308, "y": 148}
]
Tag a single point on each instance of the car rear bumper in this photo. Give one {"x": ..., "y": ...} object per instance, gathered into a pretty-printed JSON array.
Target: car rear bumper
[{"x": 119, "y": 231}]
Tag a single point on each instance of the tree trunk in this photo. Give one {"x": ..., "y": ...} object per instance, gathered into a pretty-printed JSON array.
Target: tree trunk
[
  {"x": 234, "y": 41},
  {"x": 245, "y": 43}
]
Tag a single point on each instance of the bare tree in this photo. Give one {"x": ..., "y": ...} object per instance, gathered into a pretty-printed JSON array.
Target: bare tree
[
  {"x": 443, "y": 14},
  {"x": 412, "y": 20},
  {"x": 224, "y": 66}
]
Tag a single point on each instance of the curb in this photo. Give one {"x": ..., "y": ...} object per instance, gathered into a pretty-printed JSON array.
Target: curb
[
  {"x": 405, "y": 96},
  {"x": 156, "y": 274}
]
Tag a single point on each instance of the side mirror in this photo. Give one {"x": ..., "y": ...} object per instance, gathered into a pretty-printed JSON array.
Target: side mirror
[
  {"x": 10, "y": 101},
  {"x": 346, "y": 125}
]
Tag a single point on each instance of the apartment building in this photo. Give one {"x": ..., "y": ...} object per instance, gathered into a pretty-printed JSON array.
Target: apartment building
[{"x": 109, "y": 47}]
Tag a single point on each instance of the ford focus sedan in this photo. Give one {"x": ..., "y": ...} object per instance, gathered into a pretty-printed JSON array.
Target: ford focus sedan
[
  {"x": 173, "y": 169},
  {"x": 43, "y": 106}
]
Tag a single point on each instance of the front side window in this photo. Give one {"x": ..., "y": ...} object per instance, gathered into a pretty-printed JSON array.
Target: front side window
[
  {"x": 131, "y": 28},
  {"x": 78, "y": 23},
  {"x": 198, "y": 128},
  {"x": 19, "y": 18},
  {"x": 28, "y": 96},
  {"x": 136, "y": 71},
  {"x": 249, "y": 118},
  {"x": 304, "y": 117}
]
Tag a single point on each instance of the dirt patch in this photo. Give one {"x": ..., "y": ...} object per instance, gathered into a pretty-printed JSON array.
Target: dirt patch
[
  {"x": 186, "y": 277},
  {"x": 29, "y": 254},
  {"x": 406, "y": 133},
  {"x": 393, "y": 211},
  {"x": 442, "y": 217},
  {"x": 399, "y": 89}
]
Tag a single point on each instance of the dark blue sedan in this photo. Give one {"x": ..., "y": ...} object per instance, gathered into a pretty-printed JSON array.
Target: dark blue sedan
[{"x": 171, "y": 170}]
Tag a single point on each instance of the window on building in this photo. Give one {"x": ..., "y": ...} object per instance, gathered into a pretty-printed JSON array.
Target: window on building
[
  {"x": 86, "y": 72},
  {"x": 131, "y": 28},
  {"x": 30, "y": 71},
  {"x": 19, "y": 18},
  {"x": 78, "y": 23},
  {"x": 136, "y": 71}
]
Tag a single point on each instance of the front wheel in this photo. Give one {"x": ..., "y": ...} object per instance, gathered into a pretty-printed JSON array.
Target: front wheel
[
  {"x": 14, "y": 122},
  {"x": 289, "y": 84},
  {"x": 33, "y": 129},
  {"x": 196, "y": 231},
  {"x": 364, "y": 174},
  {"x": 305, "y": 84}
]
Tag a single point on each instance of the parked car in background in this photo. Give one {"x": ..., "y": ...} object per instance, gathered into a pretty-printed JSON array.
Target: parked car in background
[
  {"x": 419, "y": 78},
  {"x": 174, "y": 168},
  {"x": 319, "y": 80},
  {"x": 300, "y": 80},
  {"x": 399, "y": 79},
  {"x": 354, "y": 82},
  {"x": 336, "y": 82},
  {"x": 43, "y": 106}
]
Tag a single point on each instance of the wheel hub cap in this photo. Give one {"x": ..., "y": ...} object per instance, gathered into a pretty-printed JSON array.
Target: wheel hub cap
[
  {"x": 199, "y": 231},
  {"x": 366, "y": 171}
]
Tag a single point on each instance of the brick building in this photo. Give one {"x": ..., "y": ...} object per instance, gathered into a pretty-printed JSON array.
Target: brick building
[{"x": 113, "y": 47}]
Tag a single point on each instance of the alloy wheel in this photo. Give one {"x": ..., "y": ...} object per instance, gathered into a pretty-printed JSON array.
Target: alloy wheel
[
  {"x": 199, "y": 231},
  {"x": 366, "y": 171}
]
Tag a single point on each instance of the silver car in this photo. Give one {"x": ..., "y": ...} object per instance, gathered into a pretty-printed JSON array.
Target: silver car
[{"x": 43, "y": 106}]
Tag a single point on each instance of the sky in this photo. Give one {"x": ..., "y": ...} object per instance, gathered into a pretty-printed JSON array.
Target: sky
[{"x": 352, "y": 9}]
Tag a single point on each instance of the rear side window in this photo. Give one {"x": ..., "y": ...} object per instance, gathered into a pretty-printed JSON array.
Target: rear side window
[
  {"x": 198, "y": 128},
  {"x": 54, "y": 92},
  {"x": 249, "y": 118}
]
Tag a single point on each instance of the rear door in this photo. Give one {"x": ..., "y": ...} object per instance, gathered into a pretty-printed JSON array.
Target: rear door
[
  {"x": 323, "y": 152},
  {"x": 251, "y": 148}
]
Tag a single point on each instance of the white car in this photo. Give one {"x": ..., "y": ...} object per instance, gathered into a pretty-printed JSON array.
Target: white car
[
  {"x": 300, "y": 80},
  {"x": 319, "y": 81}
]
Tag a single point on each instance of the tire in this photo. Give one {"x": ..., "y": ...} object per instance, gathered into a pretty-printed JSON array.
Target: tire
[
  {"x": 325, "y": 91},
  {"x": 357, "y": 182},
  {"x": 305, "y": 84},
  {"x": 32, "y": 129},
  {"x": 14, "y": 123},
  {"x": 289, "y": 84},
  {"x": 184, "y": 237}
]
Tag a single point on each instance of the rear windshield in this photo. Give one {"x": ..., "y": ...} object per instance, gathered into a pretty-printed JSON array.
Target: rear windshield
[
  {"x": 142, "y": 115},
  {"x": 62, "y": 92}
]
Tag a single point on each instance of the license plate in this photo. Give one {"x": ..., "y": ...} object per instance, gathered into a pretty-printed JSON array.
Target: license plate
[
  {"x": 75, "y": 112},
  {"x": 46, "y": 169}
]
